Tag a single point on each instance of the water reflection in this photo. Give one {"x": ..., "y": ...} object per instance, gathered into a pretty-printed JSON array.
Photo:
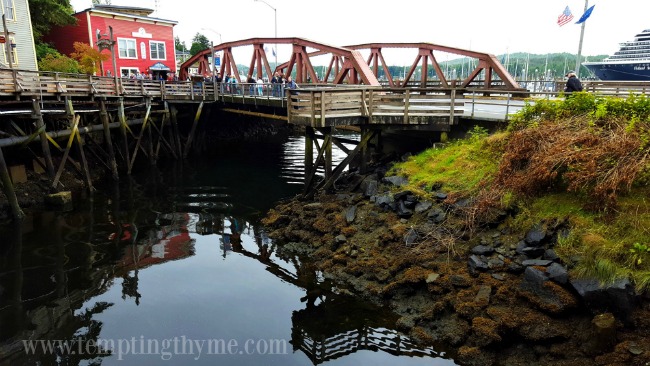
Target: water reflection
[{"x": 178, "y": 252}]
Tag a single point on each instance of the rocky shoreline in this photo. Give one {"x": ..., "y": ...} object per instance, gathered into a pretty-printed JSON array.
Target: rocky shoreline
[{"x": 490, "y": 294}]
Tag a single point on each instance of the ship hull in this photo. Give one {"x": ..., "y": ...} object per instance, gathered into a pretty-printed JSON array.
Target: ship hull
[{"x": 607, "y": 71}]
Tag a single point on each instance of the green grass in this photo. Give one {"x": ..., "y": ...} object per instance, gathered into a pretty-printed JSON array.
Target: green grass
[
  {"x": 599, "y": 243},
  {"x": 461, "y": 166}
]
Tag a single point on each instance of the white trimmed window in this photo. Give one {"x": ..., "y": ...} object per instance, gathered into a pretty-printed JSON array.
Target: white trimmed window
[
  {"x": 126, "y": 72},
  {"x": 127, "y": 48},
  {"x": 157, "y": 50},
  {"x": 9, "y": 10},
  {"x": 13, "y": 52}
]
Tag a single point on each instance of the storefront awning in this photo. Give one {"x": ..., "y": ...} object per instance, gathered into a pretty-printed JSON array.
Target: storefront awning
[{"x": 159, "y": 66}]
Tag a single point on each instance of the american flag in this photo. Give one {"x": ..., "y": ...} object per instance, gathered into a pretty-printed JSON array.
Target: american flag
[{"x": 565, "y": 17}]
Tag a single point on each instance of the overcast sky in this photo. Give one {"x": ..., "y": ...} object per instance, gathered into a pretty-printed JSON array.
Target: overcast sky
[{"x": 492, "y": 26}]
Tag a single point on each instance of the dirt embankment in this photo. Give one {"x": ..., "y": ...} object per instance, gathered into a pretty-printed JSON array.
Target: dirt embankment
[{"x": 495, "y": 296}]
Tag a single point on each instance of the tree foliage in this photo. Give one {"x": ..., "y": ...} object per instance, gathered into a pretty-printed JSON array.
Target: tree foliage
[
  {"x": 45, "y": 49},
  {"x": 46, "y": 14},
  {"x": 58, "y": 63},
  {"x": 199, "y": 43},
  {"x": 179, "y": 45},
  {"x": 88, "y": 57}
]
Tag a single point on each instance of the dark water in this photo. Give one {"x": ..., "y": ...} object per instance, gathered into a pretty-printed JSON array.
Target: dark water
[{"x": 173, "y": 267}]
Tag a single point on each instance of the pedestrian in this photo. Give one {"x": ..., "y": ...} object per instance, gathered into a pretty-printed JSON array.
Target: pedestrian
[
  {"x": 573, "y": 84},
  {"x": 291, "y": 84},
  {"x": 251, "y": 81},
  {"x": 275, "y": 83},
  {"x": 260, "y": 86},
  {"x": 233, "y": 85}
]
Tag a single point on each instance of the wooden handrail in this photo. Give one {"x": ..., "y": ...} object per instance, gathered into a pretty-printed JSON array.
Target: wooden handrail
[{"x": 45, "y": 83}]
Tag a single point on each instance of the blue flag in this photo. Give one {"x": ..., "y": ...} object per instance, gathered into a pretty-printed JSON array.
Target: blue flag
[{"x": 585, "y": 15}]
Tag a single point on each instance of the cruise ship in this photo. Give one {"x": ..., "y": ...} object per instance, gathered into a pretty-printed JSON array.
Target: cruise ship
[{"x": 630, "y": 63}]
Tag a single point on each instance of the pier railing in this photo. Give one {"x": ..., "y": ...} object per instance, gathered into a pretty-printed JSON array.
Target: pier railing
[
  {"x": 16, "y": 83},
  {"x": 325, "y": 106}
]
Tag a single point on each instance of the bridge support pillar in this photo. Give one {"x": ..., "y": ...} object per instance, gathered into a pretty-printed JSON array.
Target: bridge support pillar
[{"x": 327, "y": 146}]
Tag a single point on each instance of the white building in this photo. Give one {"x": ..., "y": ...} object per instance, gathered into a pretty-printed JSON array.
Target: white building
[{"x": 20, "y": 43}]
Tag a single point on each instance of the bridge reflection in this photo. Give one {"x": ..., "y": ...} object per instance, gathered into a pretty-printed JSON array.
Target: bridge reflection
[{"x": 51, "y": 279}]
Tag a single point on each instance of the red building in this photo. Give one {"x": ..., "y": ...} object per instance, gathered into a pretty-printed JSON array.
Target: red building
[{"x": 143, "y": 44}]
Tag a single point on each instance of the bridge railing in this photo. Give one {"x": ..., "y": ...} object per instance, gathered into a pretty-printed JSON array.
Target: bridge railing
[{"x": 320, "y": 107}]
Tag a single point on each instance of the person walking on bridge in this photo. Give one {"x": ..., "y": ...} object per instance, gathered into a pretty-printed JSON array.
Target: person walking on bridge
[{"x": 573, "y": 84}]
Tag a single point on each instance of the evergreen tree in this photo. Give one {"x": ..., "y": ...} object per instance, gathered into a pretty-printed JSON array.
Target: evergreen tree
[
  {"x": 199, "y": 43},
  {"x": 46, "y": 14}
]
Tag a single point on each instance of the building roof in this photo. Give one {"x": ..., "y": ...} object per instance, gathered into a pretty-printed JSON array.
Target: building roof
[
  {"x": 126, "y": 11},
  {"x": 144, "y": 12}
]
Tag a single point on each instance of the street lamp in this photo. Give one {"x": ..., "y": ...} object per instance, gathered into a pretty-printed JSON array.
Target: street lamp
[
  {"x": 275, "y": 13},
  {"x": 109, "y": 44},
  {"x": 215, "y": 32},
  {"x": 214, "y": 60}
]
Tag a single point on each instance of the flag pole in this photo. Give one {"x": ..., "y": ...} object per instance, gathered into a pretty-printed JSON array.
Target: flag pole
[{"x": 582, "y": 34}]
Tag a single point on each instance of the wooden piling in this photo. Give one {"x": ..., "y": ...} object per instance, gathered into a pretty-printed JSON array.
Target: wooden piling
[
  {"x": 74, "y": 123},
  {"x": 328, "y": 182},
  {"x": 66, "y": 152},
  {"x": 328, "y": 152},
  {"x": 309, "y": 151},
  {"x": 188, "y": 145},
  {"x": 309, "y": 182},
  {"x": 150, "y": 149},
  {"x": 123, "y": 129},
  {"x": 8, "y": 189},
  {"x": 40, "y": 124},
  {"x": 139, "y": 139},
  {"x": 173, "y": 114},
  {"x": 365, "y": 154},
  {"x": 103, "y": 115}
]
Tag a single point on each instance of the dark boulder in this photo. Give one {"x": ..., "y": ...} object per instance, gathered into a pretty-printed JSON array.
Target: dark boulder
[
  {"x": 402, "y": 211},
  {"x": 351, "y": 214},
  {"x": 617, "y": 297},
  {"x": 401, "y": 195},
  {"x": 395, "y": 180},
  {"x": 423, "y": 206},
  {"x": 536, "y": 235},
  {"x": 557, "y": 273},
  {"x": 369, "y": 187},
  {"x": 482, "y": 250},
  {"x": 476, "y": 264},
  {"x": 532, "y": 252},
  {"x": 536, "y": 262},
  {"x": 437, "y": 215}
]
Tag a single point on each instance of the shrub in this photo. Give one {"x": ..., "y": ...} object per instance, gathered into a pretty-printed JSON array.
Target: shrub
[{"x": 58, "y": 63}]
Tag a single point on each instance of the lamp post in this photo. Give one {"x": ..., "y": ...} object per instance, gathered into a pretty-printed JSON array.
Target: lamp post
[
  {"x": 214, "y": 61},
  {"x": 215, "y": 32},
  {"x": 109, "y": 44},
  {"x": 275, "y": 14}
]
